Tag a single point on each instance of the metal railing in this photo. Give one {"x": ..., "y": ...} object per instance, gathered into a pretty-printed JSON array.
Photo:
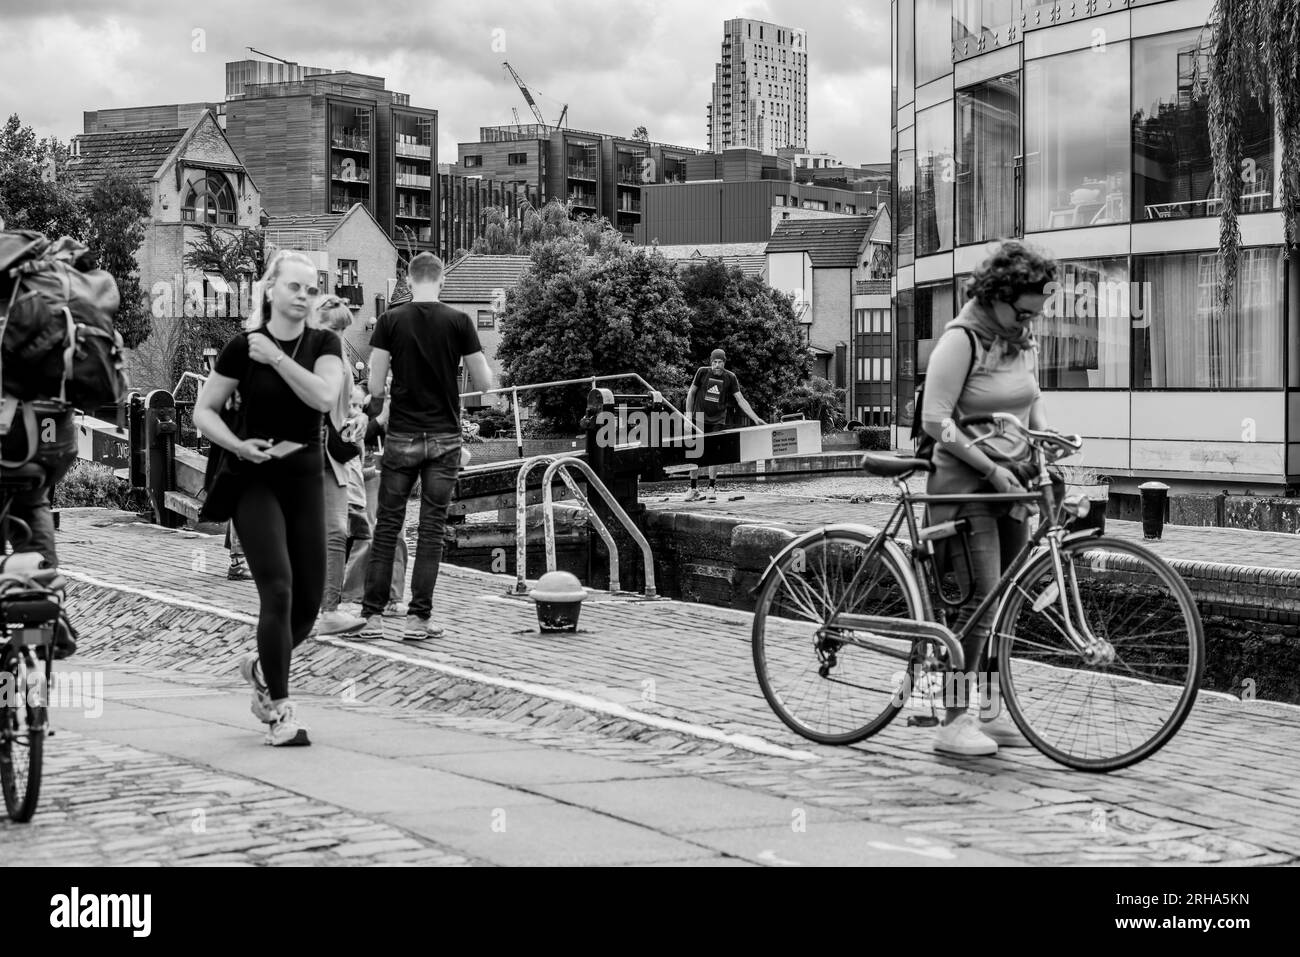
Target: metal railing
[
  {"x": 560, "y": 465},
  {"x": 513, "y": 392}
]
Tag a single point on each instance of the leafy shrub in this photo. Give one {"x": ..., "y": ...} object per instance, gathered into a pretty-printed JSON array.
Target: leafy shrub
[
  {"x": 874, "y": 440},
  {"x": 88, "y": 485}
]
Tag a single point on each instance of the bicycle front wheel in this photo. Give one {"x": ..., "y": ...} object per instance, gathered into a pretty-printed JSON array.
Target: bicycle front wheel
[
  {"x": 829, "y": 682},
  {"x": 23, "y": 717},
  {"x": 1120, "y": 702}
]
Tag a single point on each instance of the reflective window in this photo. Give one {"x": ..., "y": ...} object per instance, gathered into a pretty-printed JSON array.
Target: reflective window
[
  {"x": 936, "y": 171},
  {"x": 905, "y": 361},
  {"x": 906, "y": 61},
  {"x": 933, "y": 40},
  {"x": 1173, "y": 173},
  {"x": 935, "y": 308},
  {"x": 988, "y": 142},
  {"x": 1077, "y": 139},
  {"x": 1184, "y": 340},
  {"x": 906, "y": 176},
  {"x": 970, "y": 18},
  {"x": 1083, "y": 337}
]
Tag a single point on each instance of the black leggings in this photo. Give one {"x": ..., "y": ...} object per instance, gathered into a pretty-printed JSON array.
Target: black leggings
[{"x": 280, "y": 520}]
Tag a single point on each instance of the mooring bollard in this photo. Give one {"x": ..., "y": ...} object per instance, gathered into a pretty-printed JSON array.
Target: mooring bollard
[
  {"x": 1155, "y": 498},
  {"x": 559, "y": 598}
]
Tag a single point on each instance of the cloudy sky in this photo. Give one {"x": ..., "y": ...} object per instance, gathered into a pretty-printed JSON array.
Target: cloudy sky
[{"x": 617, "y": 63}]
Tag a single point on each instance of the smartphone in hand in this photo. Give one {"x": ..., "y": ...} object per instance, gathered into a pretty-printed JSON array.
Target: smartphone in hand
[{"x": 282, "y": 448}]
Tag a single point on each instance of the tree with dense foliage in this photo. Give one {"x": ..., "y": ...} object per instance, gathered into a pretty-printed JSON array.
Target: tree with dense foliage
[
  {"x": 1255, "y": 59},
  {"x": 642, "y": 134},
  {"x": 577, "y": 313},
  {"x": 509, "y": 234},
  {"x": 239, "y": 257},
  {"x": 117, "y": 216},
  {"x": 35, "y": 192},
  {"x": 753, "y": 323}
]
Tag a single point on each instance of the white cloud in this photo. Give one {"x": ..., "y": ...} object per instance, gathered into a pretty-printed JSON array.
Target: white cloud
[{"x": 617, "y": 63}]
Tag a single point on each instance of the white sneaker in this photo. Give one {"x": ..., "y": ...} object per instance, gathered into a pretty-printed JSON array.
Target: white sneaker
[
  {"x": 693, "y": 495},
  {"x": 251, "y": 671},
  {"x": 1004, "y": 731},
  {"x": 964, "y": 737},
  {"x": 285, "y": 730},
  {"x": 337, "y": 623},
  {"x": 395, "y": 609}
]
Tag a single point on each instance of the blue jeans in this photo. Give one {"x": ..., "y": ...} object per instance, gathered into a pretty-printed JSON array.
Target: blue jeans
[{"x": 435, "y": 460}]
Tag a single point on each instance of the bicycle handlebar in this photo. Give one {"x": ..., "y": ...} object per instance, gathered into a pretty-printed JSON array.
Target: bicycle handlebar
[{"x": 1003, "y": 420}]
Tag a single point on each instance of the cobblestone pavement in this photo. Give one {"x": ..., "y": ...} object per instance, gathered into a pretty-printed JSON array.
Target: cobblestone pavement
[
  {"x": 105, "y": 803},
  {"x": 1223, "y": 792}
]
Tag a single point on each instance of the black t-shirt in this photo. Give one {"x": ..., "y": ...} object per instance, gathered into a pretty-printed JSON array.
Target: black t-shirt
[
  {"x": 426, "y": 341},
  {"x": 713, "y": 392},
  {"x": 272, "y": 409}
]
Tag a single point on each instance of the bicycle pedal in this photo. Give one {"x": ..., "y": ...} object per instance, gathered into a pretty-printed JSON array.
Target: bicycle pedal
[{"x": 922, "y": 721}]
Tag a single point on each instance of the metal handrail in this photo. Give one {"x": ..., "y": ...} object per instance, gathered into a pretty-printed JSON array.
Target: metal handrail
[
  {"x": 548, "y": 525},
  {"x": 202, "y": 380},
  {"x": 521, "y": 520},
  {"x": 592, "y": 481},
  {"x": 513, "y": 392}
]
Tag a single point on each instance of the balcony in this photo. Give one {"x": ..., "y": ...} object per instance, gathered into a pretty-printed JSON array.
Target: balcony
[
  {"x": 632, "y": 206},
  {"x": 582, "y": 171},
  {"x": 417, "y": 211},
  {"x": 413, "y": 180},
  {"x": 585, "y": 200},
  {"x": 350, "y": 141},
  {"x": 414, "y": 150},
  {"x": 352, "y": 295},
  {"x": 359, "y": 174},
  {"x": 342, "y": 202},
  {"x": 629, "y": 175}
]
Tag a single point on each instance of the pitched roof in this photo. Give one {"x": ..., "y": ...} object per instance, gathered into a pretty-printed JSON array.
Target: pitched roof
[
  {"x": 710, "y": 250},
  {"x": 753, "y": 266},
  {"x": 324, "y": 222},
  {"x": 831, "y": 243},
  {"x": 138, "y": 153},
  {"x": 476, "y": 277}
]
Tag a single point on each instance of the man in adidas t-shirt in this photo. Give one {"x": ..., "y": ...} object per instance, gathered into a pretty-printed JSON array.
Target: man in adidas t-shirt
[{"x": 715, "y": 389}]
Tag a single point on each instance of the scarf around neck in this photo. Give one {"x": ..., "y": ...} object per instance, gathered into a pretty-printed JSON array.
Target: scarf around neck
[{"x": 995, "y": 340}]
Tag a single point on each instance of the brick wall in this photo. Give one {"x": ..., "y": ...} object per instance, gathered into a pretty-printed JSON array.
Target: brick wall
[{"x": 360, "y": 238}]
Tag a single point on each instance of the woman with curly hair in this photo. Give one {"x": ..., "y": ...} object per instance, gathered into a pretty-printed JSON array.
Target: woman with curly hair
[{"x": 985, "y": 362}]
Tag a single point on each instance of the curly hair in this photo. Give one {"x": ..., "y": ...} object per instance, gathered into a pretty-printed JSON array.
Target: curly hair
[{"x": 1010, "y": 271}]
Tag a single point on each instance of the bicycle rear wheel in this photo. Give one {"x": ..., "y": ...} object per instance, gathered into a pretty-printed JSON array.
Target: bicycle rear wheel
[
  {"x": 1122, "y": 706},
  {"x": 23, "y": 720},
  {"x": 831, "y": 684}
]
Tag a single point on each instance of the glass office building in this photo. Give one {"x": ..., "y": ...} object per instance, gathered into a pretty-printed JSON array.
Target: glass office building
[{"x": 1081, "y": 128}]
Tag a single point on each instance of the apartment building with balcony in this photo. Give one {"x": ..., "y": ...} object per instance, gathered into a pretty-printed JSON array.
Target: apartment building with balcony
[
  {"x": 326, "y": 142},
  {"x": 760, "y": 88},
  {"x": 463, "y": 204},
  {"x": 1082, "y": 128},
  {"x": 599, "y": 174},
  {"x": 737, "y": 196}
]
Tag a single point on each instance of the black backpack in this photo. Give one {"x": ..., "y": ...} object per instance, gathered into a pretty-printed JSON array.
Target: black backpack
[
  {"x": 924, "y": 440},
  {"x": 57, "y": 322}
]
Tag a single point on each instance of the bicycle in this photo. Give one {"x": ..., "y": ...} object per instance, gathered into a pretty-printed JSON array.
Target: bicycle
[
  {"x": 32, "y": 636},
  {"x": 1097, "y": 642}
]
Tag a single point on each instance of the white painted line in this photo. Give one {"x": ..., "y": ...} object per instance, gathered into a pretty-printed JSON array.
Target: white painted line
[
  {"x": 158, "y": 596},
  {"x": 744, "y": 742}
]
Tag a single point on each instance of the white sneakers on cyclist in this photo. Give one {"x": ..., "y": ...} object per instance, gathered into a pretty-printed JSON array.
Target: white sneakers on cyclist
[
  {"x": 964, "y": 737},
  {"x": 1004, "y": 731},
  {"x": 251, "y": 672},
  {"x": 285, "y": 730}
]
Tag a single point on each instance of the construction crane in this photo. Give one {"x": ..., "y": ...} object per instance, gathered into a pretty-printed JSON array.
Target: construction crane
[
  {"x": 270, "y": 57},
  {"x": 516, "y": 113},
  {"x": 519, "y": 82}
]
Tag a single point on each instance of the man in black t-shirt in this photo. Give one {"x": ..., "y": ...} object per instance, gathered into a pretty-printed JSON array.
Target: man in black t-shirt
[
  {"x": 423, "y": 343},
  {"x": 714, "y": 389}
]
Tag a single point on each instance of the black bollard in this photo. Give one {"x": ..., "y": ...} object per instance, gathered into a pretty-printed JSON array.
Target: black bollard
[{"x": 1155, "y": 499}]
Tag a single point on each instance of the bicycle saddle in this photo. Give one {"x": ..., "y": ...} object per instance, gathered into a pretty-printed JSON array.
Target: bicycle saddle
[{"x": 893, "y": 466}]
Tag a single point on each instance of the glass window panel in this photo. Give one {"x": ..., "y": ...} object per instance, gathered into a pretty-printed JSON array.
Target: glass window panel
[
  {"x": 933, "y": 40},
  {"x": 936, "y": 171},
  {"x": 935, "y": 308},
  {"x": 970, "y": 18},
  {"x": 988, "y": 142},
  {"x": 906, "y": 345},
  {"x": 905, "y": 224},
  {"x": 1077, "y": 139},
  {"x": 1183, "y": 340},
  {"x": 1083, "y": 336},
  {"x": 1173, "y": 174},
  {"x": 906, "y": 48}
]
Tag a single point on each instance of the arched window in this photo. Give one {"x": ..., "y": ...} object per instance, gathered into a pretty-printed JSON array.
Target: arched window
[{"x": 209, "y": 200}]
